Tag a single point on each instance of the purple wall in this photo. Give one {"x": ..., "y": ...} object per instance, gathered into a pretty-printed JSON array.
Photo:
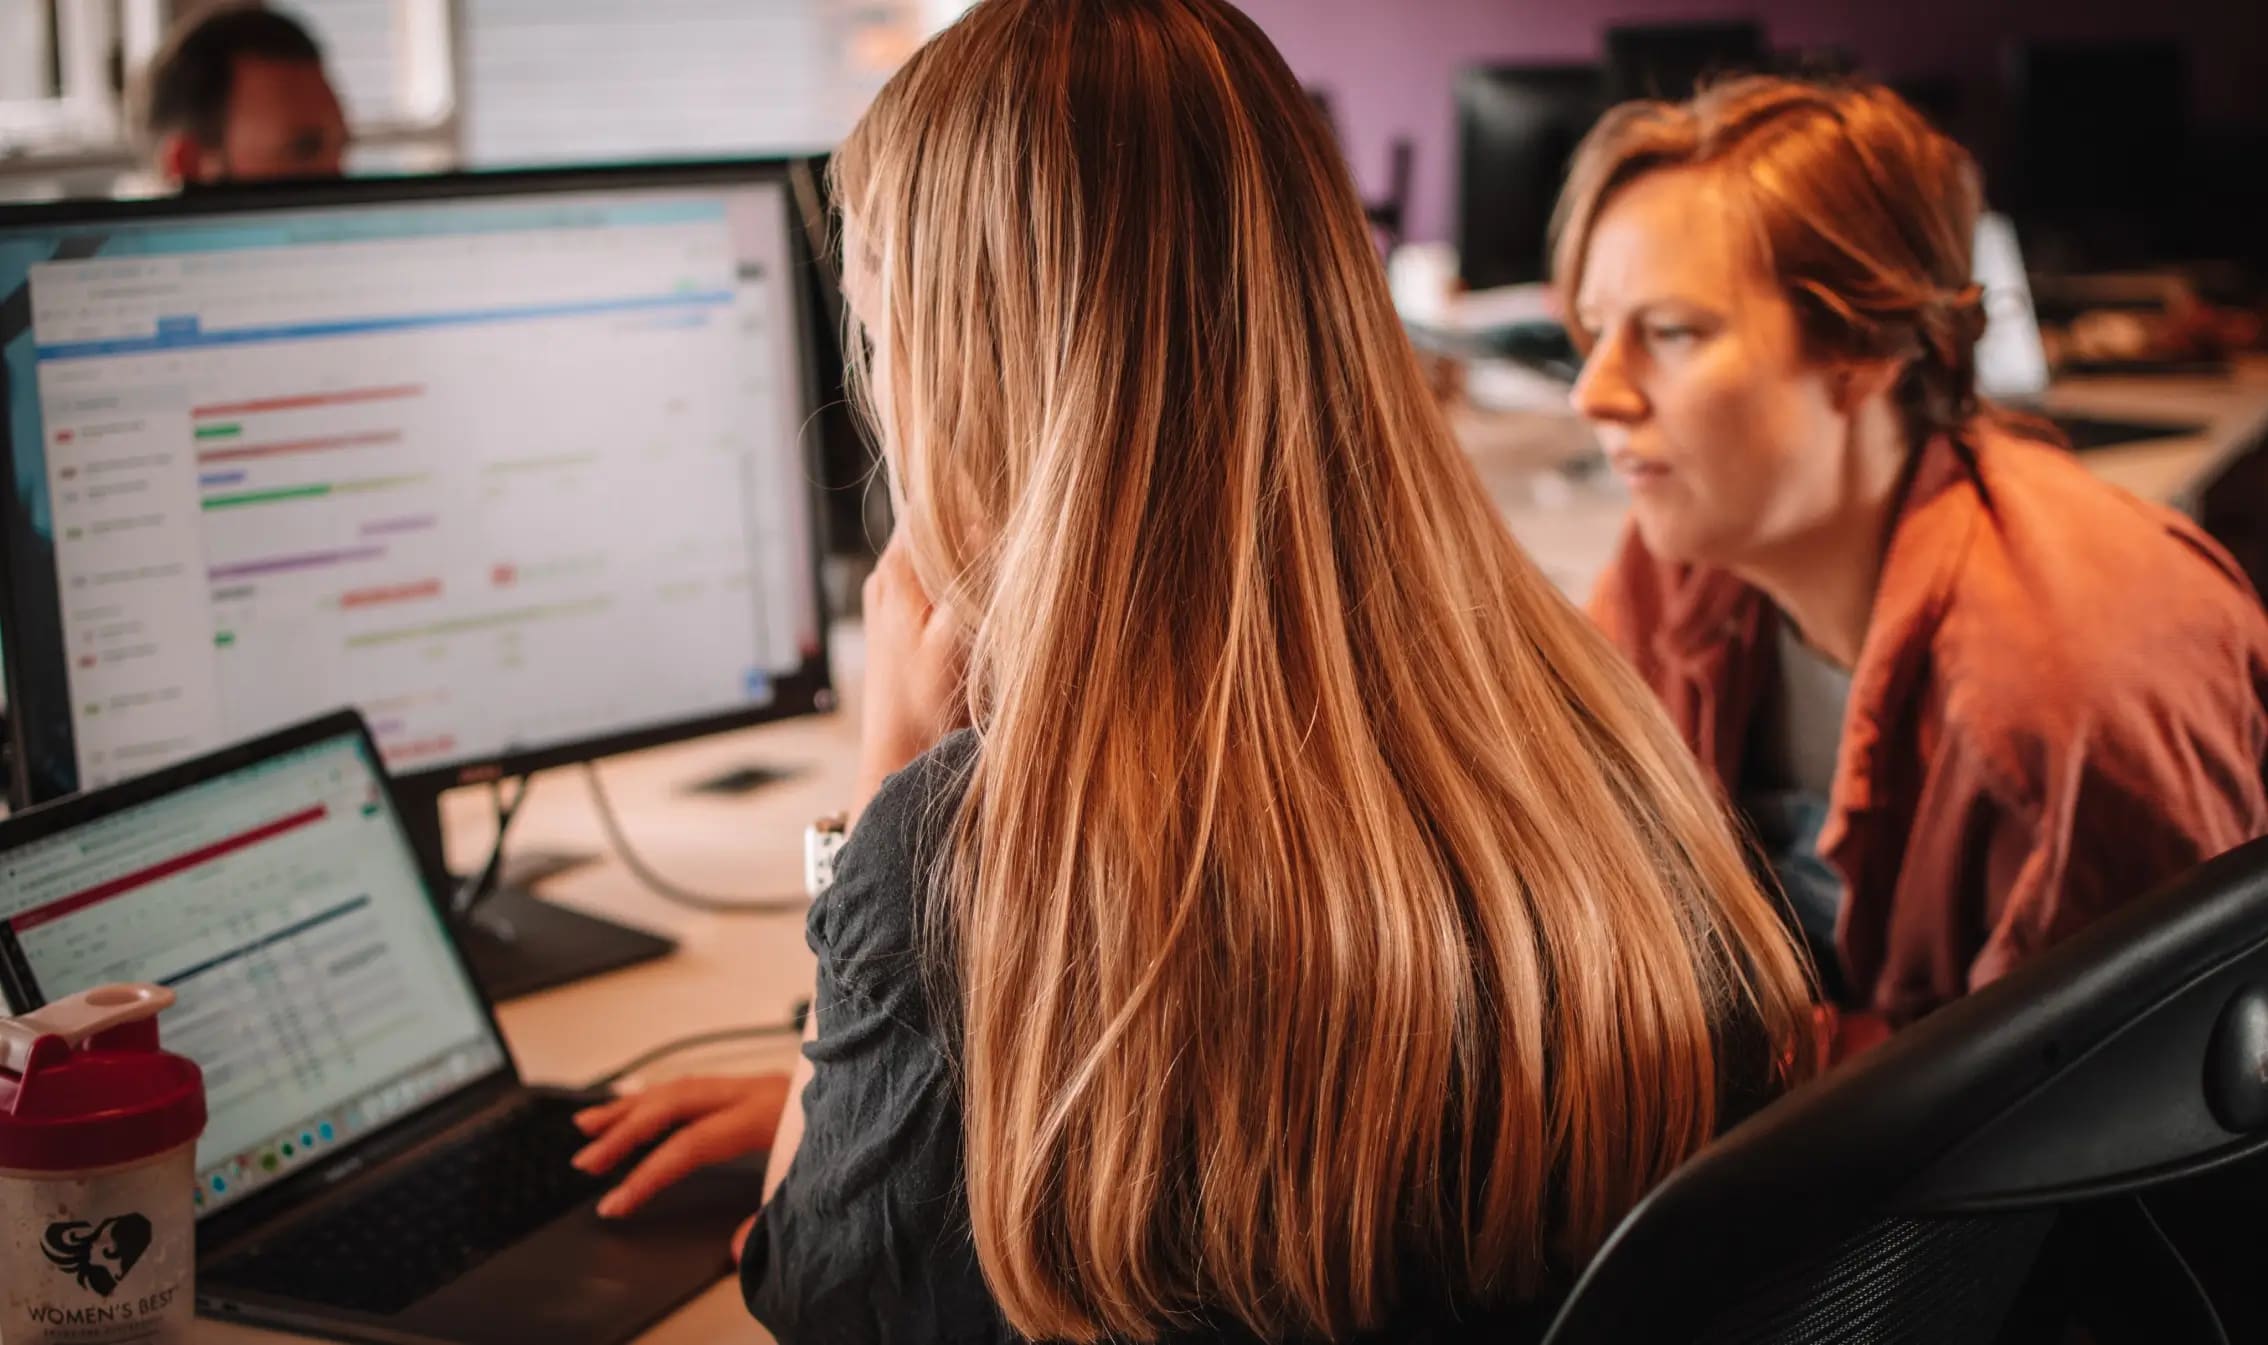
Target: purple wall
[{"x": 1388, "y": 64}]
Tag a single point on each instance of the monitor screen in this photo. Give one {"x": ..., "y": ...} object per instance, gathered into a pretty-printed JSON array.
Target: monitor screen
[
  {"x": 516, "y": 469},
  {"x": 283, "y": 906}
]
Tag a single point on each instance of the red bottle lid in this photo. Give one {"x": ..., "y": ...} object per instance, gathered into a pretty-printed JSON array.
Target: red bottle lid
[{"x": 84, "y": 1085}]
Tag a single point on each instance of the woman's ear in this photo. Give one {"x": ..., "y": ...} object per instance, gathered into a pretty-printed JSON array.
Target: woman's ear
[
  {"x": 181, "y": 160},
  {"x": 1858, "y": 381}
]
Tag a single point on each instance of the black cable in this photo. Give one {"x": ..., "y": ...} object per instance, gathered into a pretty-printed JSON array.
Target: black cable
[
  {"x": 663, "y": 887},
  {"x": 479, "y": 887},
  {"x": 694, "y": 1041}
]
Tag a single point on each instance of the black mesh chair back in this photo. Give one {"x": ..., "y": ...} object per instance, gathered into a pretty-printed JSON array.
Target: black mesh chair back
[{"x": 1979, "y": 1177}]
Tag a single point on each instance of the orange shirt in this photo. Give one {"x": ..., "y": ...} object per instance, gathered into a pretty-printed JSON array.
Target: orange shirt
[{"x": 2058, "y": 704}]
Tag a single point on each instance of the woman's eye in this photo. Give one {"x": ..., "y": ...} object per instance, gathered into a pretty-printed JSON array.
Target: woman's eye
[{"x": 1672, "y": 335}]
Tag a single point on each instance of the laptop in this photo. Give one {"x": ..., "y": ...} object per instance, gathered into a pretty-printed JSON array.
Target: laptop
[
  {"x": 2012, "y": 366},
  {"x": 374, "y": 1167}
]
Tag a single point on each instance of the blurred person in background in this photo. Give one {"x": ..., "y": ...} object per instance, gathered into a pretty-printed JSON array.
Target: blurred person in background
[{"x": 238, "y": 94}]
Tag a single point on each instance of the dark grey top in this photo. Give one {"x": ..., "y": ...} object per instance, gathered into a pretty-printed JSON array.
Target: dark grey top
[
  {"x": 867, "y": 1238},
  {"x": 1799, "y": 727},
  {"x": 1794, "y": 742}
]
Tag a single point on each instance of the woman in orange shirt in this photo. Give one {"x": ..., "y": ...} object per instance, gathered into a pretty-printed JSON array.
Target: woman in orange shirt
[{"x": 1966, "y": 695}]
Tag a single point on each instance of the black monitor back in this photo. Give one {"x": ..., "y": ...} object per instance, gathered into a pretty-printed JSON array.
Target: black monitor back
[
  {"x": 854, "y": 510},
  {"x": 2101, "y": 148},
  {"x": 1671, "y": 60},
  {"x": 1517, "y": 128}
]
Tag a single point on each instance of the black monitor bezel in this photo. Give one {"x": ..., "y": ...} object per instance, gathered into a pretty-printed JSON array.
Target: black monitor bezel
[{"x": 807, "y": 690}]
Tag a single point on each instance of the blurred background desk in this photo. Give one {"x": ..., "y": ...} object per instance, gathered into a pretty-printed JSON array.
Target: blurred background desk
[{"x": 2182, "y": 471}]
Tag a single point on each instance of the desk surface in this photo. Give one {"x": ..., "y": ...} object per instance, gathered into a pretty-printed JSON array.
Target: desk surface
[
  {"x": 1565, "y": 509},
  {"x": 2233, "y": 411}
]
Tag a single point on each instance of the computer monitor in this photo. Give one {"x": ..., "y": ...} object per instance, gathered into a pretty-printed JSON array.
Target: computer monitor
[
  {"x": 516, "y": 463},
  {"x": 1671, "y": 60},
  {"x": 855, "y": 515},
  {"x": 1517, "y": 128},
  {"x": 2098, "y": 124},
  {"x": 2101, "y": 144}
]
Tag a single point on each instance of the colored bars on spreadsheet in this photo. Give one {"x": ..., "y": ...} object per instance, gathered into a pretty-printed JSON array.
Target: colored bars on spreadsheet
[
  {"x": 466, "y": 625},
  {"x": 388, "y": 594},
  {"x": 305, "y": 560},
  {"x": 286, "y": 447},
  {"x": 389, "y": 527},
  {"x": 307, "y": 401},
  {"x": 313, "y": 491},
  {"x": 166, "y": 868}
]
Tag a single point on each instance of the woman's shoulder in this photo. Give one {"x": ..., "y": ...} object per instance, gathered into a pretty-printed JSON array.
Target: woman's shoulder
[
  {"x": 2083, "y": 618},
  {"x": 870, "y": 924},
  {"x": 2075, "y": 581},
  {"x": 907, "y": 805},
  {"x": 2077, "y": 535}
]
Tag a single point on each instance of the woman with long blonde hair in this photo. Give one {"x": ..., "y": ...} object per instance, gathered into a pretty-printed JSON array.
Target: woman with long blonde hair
[{"x": 1317, "y": 929}]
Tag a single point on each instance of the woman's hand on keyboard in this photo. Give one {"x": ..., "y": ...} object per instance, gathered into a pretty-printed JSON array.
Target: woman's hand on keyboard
[{"x": 715, "y": 1119}]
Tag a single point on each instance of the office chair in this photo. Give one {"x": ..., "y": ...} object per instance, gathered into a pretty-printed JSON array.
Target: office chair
[{"x": 1979, "y": 1177}]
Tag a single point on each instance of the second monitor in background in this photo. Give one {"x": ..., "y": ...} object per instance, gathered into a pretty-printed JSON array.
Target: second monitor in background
[
  {"x": 1671, "y": 61},
  {"x": 1517, "y": 127},
  {"x": 855, "y": 513},
  {"x": 2101, "y": 143},
  {"x": 515, "y": 463}
]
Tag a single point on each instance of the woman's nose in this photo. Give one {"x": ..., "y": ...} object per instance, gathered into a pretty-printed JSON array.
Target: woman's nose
[{"x": 1604, "y": 392}]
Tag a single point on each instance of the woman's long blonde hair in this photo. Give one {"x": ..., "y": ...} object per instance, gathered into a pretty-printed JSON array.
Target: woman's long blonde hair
[{"x": 1333, "y": 921}]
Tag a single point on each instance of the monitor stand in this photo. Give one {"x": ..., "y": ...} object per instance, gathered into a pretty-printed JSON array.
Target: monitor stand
[{"x": 516, "y": 942}]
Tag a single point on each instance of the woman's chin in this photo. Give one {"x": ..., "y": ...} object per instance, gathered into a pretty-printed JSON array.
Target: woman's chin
[{"x": 1675, "y": 535}]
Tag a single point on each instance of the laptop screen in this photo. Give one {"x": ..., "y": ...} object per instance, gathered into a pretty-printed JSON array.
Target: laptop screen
[{"x": 283, "y": 905}]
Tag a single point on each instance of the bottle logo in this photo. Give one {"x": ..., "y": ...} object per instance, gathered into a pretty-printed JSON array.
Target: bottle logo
[{"x": 100, "y": 1255}]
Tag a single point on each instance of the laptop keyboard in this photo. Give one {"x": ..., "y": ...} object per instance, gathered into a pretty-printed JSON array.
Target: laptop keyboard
[{"x": 413, "y": 1235}]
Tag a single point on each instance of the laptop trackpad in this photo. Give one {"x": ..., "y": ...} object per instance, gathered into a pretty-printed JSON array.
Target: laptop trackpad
[{"x": 584, "y": 1280}]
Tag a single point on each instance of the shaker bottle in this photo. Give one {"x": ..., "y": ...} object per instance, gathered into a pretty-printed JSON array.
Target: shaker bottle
[{"x": 98, "y": 1139}]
